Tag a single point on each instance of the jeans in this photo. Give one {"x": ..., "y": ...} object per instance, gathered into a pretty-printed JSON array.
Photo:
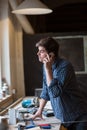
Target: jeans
[{"x": 80, "y": 123}]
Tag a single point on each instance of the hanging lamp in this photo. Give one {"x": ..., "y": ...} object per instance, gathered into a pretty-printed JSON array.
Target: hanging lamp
[{"x": 32, "y": 7}]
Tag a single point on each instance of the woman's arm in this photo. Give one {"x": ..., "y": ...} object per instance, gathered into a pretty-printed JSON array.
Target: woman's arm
[{"x": 41, "y": 106}]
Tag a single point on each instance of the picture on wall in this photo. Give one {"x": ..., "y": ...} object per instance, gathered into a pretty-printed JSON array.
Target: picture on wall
[{"x": 72, "y": 49}]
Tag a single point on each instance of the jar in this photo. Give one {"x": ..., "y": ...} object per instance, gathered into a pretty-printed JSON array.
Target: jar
[{"x": 5, "y": 88}]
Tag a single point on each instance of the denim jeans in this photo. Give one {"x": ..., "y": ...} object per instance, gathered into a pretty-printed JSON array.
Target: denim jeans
[{"x": 80, "y": 123}]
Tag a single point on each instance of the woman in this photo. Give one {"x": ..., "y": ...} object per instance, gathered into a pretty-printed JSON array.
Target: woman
[{"x": 60, "y": 87}]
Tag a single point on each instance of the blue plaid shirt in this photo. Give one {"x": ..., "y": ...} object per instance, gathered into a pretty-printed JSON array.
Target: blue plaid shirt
[{"x": 63, "y": 92}]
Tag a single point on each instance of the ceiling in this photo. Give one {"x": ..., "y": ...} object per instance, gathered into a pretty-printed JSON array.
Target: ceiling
[
  {"x": 67, "y": 16},
  {"x": 56, "y": 3}
]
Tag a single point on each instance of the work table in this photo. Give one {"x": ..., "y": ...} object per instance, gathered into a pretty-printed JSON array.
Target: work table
[{"x": 55, "y": 123}]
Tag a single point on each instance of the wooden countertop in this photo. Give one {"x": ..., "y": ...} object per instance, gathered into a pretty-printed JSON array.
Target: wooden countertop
[{"x": 55, "y": 123}]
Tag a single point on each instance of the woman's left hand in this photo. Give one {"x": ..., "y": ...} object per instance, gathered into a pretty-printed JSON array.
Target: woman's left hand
[{"x": 48, "y": 60}]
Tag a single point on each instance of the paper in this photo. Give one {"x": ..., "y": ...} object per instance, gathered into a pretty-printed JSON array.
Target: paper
[{"x": 45, "y": 120}]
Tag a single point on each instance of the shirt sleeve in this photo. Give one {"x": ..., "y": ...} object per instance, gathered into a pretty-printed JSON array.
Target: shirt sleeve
[
  {"x": 44, "y": 93},
  {"x": 62, "y": 75}
]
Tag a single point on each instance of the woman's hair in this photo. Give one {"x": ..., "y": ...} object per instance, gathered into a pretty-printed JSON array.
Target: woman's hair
[{"x": 50, "y": 44}]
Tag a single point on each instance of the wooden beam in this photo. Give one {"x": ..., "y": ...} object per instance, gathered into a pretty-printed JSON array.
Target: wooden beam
[{"x": 22, "y": 19}]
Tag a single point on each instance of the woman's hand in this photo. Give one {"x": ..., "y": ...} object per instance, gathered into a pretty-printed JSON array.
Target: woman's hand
[
  {"x": 40, "y": 109},
  {"x": 48, "y": 60},
  {"x": 37, "y": 114}
]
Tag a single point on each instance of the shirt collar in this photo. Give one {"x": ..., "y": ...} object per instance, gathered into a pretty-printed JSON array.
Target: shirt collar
[{"x": 56, "y": 62}]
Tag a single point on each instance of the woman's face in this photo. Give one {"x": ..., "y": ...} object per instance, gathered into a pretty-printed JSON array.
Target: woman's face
[{"x": 42, "y": 53}]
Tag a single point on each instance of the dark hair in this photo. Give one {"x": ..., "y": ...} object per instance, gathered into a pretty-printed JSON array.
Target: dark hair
[{"x": 50, "y": 44}]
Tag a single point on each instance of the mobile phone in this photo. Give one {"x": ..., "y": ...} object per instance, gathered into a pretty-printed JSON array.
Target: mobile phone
[{"x": 51, "y": 54}]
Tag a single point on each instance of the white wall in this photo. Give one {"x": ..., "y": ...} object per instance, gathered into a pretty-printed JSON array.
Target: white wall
[{"x": 11, "y": 55}]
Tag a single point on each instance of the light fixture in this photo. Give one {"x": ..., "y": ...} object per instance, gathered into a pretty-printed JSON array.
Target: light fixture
[{"x": 32, "y": 7}]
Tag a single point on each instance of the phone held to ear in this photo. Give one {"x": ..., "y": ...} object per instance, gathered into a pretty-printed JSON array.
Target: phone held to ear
[{"x": 51, "y": 55}]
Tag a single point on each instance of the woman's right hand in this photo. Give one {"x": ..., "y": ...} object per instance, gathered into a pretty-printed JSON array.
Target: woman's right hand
[
  {"x": 40, "y": 109},
  {"x": 37, "y": 114}
]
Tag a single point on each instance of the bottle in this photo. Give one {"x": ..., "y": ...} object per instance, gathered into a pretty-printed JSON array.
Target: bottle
[
  {"x": 5, "y": 88},
  {"x": 36, "y": 101},
  {"x": 1, "y": 95}
]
